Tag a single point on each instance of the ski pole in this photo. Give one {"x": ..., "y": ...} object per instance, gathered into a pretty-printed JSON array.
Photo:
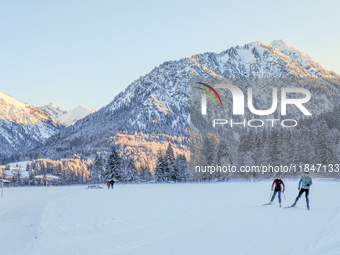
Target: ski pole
[
  {"x": 270, "y": 196},
  {"x": 285, "y": 197}
]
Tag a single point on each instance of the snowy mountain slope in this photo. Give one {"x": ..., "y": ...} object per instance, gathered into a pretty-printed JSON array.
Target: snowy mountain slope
[
  {"x": 54, "y": 110},
  {"x": 159, "y": 101},
  {"x": 69, "y": 117},
  {"x": 23, "y": 126}
]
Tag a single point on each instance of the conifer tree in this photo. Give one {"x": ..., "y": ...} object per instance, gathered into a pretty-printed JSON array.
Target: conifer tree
[
  {"x": 98, "y": 168},
  {"x": 183, "y": 168},
  {"x": 131, "y": 171},
  {"x": 114, "y": 168},
  {"x": 159, "y": 170},
  {"x": 170, "y": 171}
]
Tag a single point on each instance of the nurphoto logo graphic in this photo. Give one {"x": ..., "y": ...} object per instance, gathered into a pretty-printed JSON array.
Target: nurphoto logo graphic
[
  {"x": 204, "y": 98},
  {"x": 238, "y": 99},
  {"x": 259, "y": 127},
  {"x": 238, "y": 107}
]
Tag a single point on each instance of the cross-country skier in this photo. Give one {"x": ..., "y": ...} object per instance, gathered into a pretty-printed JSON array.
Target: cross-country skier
[
  {"x": 278, "y": 182},
  {"x": 305, "y": 183},
  {"x": 108, "y": 184}
]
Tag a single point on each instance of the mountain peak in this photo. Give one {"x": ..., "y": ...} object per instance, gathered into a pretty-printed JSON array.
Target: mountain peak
[
  {"x": 85, "y": 107},
  {"x": 282, "y": 46},
  {"x": 16, "y": 111},
  {"x": 12, "y": 101},
  {"x": 158, "y": 103},
  {"x": 279, "y": 42},
  {"x": 23, "y": 126},
  {"x": 69, "y": 117}
]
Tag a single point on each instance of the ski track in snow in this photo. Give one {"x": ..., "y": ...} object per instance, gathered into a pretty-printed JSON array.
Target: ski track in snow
[{"x": 211, "y": 218}]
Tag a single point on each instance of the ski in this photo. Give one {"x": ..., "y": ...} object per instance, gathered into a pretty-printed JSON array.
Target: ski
[
  {"x": 289, "y": 207},
  {"x": 268, "y": 204}
]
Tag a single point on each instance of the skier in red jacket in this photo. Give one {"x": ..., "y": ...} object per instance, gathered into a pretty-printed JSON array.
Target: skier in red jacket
[
  {"x": 108, "y": 184},
  {"x": 278, "y": 182}
]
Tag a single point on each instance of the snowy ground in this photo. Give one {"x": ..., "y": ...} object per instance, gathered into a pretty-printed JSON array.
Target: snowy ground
[
  {"x": 21, "y": 164},
  {"x": 214, "y": 218},
  {"x": 17, "y": 166}
]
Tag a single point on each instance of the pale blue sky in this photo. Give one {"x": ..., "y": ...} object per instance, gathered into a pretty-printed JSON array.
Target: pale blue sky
[{"x": 86, "y": 52}]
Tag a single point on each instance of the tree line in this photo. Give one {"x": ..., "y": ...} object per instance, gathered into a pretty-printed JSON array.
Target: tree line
[
  {"x": 103, "y": 167},
  {"x": 168, "y": 168}
]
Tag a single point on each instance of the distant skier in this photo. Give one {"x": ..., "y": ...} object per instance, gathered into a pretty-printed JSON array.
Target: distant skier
[
  {"x": 112, "y": 182},
  {"x": 305, "y": 183},
  {"x": 278, "y": 182},
  {"x": 108, "y": 184}
]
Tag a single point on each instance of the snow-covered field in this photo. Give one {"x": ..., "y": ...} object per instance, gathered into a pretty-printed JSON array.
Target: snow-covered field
[
  {"x": 21, "y": 164},
  {"x": 17, "y": 166},
  {"x": 213, "y": 218}
]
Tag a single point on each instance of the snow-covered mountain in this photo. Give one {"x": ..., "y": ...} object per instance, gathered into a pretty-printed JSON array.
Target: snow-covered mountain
[
  {"x": 159, "y": 102},
  {"x": 69, "y": 117},
  {"x": 23, "y": 126}
]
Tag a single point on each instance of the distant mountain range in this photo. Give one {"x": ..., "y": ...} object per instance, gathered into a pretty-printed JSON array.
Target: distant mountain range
[
  {"x": 69, "y": 117},
  {"x": 24, "y": 127},
  {"x": 158, "y": 103}
]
